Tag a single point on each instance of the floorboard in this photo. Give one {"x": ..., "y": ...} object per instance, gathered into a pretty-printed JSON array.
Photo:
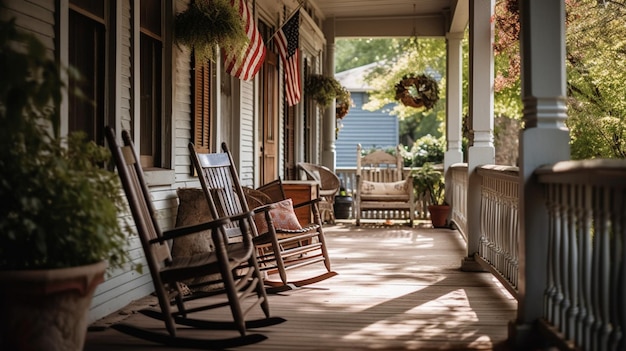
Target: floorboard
[{"x": 397, "y": 289}]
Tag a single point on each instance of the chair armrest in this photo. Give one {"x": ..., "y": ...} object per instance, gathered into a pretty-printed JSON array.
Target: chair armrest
[
  {"x": 263, "y": 208},
  {"x": 195, "y": 228},
  {"x": 189, "y": 229},
  {"x": 307, "y": 203}
]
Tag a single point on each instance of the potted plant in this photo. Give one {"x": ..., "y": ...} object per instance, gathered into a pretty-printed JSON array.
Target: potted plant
[
  {"x": 429, "y": 182},
  {"x": 59, "y": 211},
  {"x": 327, "y": 90},
  {"x": 204, "y": 25}
]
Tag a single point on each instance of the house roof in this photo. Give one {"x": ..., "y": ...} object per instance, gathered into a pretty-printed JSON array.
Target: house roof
[{"x": 352, "y": 79}]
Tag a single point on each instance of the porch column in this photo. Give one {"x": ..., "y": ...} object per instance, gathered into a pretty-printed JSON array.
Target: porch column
[
  {"x": 481, "y": 150},
  {"x": 454, "y": 99},
  {"x": 328, "y": 123},
  {"x": 544, "y": 140}
]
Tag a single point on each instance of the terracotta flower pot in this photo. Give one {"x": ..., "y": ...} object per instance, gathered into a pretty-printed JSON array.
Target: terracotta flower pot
[
  {"x": 439, "y": 215},
  {"x": 47, "y": 309}
]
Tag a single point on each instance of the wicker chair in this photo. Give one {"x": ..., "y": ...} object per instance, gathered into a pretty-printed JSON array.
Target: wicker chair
[{"x": 329, "y": 187}]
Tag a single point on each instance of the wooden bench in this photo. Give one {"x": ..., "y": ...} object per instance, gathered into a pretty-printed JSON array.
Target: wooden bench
[{"x": 381, "y": 187}]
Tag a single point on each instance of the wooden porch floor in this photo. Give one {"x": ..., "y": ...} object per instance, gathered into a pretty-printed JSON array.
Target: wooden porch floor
[{"x": 397, "y": 289}]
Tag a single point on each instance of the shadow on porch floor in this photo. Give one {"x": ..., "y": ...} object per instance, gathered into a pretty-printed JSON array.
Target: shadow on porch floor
[{"x": 398, "y": 288}]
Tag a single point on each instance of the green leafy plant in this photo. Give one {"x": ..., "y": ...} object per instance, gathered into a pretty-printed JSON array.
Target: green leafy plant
[
  {"x": 207, "y": 24},
  {"x": 59, "y": 204},
  {"x": 429, "y": 181},
  {"x": 324, "y": 90}
]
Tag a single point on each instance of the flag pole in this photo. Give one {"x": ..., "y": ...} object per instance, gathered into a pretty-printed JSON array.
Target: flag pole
[{"x": 300, "y": 3}]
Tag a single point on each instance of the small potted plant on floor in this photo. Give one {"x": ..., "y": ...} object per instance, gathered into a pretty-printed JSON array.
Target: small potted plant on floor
[
  {"x": 59, "y": 223},
  {"x": 429, "y": 182}
]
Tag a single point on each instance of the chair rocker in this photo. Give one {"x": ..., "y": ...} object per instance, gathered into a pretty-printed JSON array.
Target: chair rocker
[
  {"x": 232, "y": 266},
  {"x": 279, "y": 250}
]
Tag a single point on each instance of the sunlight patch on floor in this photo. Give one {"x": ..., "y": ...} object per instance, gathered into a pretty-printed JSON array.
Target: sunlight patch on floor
[{"x": 435, "y": 318}]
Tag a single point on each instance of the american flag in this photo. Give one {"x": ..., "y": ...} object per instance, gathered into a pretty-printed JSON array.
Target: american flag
[
  {"x": 287, "y": 42},
  {"x": 247, "y": 67}
]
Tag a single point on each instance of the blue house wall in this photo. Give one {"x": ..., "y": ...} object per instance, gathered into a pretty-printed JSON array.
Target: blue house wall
[{"x": 368, "y": 128}]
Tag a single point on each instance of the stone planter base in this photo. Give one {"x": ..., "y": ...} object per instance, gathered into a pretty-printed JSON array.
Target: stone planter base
[{"x": 47, "y": 309}]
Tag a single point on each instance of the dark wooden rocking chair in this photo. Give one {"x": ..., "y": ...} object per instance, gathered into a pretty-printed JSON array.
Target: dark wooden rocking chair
[
  {"x": 232, "y": 266},
  {"x": 279, "y": 250}
]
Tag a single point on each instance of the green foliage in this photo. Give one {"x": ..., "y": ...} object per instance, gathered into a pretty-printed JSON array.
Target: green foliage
[
  {"x": 596, "y": 70},
  {"x": 59, "y": 206},
  {"x": 596, "y": 90},
  {"x": 207, "y": 24},
  {"x": 420, "y": 124},
  {"x": 324, "y": 90},
  {"x": 429, "y": 181},
  {"x": 351, "y": 53},
  {"x": 426, "y": 149}
]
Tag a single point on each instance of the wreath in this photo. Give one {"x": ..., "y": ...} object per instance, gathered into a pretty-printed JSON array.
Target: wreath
[{"x": 417, "y": 91}]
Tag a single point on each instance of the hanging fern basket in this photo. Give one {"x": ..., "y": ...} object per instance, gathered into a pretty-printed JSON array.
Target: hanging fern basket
[
  {"x": 419, "y": 91},
  {"x": 207, "y": 24},
  {"x": 326, "y": 90}
]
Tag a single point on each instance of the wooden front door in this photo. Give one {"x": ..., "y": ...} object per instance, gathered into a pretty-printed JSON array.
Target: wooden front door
[{"x": 269, "y": 142}]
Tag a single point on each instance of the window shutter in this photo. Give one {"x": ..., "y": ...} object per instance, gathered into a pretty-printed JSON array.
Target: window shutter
[{"x": 202, "y": 107}]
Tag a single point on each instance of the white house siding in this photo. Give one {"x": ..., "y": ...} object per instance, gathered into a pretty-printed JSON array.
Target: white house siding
[
  {"x": 369, "y": 128},
  {"x": 35, "y": 16},
  {"x": 245, "y": 136}
]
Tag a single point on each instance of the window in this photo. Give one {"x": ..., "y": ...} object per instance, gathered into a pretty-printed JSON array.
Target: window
[
  {"x": 151, "y": 83},
  {"x": 87, "y": 55}
]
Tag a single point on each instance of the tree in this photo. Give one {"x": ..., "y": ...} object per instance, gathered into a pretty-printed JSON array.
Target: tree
[
  {"x": 595, "y": 85},
  {"x": 595, "y": 89},
  {"x": 351, "y": 53}
]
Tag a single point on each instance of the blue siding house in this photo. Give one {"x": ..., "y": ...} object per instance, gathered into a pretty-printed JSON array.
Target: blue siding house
[{"x": 369, "y": 128}]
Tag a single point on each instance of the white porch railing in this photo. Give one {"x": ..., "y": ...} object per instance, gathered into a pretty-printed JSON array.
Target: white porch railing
[
  {"x": 584, "y": 305},
  {"x": 499, "y": 219},
  {"x": 458, "y": 196},
  {"x": 585, "y": 293},
  {"x": 499, "y": 223}
]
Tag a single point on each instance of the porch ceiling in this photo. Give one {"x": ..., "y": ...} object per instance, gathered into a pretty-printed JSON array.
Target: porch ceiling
[{"x": 395, "y": 18}]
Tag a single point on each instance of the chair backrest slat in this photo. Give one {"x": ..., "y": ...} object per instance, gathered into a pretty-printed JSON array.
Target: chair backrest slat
[
  {"x": 138, "y": 196},
  {"x": 380, "y": 166},
  {"x": 219, "y": 179}
]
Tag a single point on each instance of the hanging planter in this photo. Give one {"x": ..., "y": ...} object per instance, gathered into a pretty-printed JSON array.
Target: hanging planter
[
  {"x": 419, "y": 91},
  {"x": 326, "y": 90},
  {"x": 207, "y": 24},
  {"x": 343, "y": 103}
]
